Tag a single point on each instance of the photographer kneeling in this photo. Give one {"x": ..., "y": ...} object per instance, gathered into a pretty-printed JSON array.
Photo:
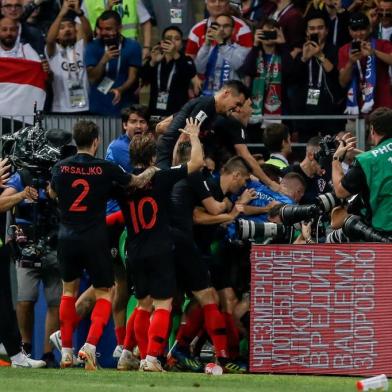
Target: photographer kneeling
[{"x": 371, "y": 174}]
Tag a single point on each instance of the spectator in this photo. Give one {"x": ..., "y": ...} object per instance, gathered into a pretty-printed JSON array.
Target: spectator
[
  {"x": 112, "y": 63},
  {"x": 363, "y": 66},
  {"x": 291, "y": 21},
  {"x": 385, "y": 16},
  {"x": 13, "y": 9},
  {"x": 179, "y": 13},
  {"x": 134, "y": 122},
  {"x": 264, "y": 67},
  {"x": 132, "y": 13},
  {"x": 40, "y": 13},
  {"x": 338, "y": 17},
  {"x": 252, "y": 10},
  {"x": 277, "y": 140},
  {"x": 317, "y": 88},
  {"x": 22, "y": 82},
  {"x": 65, "y": 49},
  {"x": 169, "y": 73},
  {"x": 219, "y": 58},
  {"x": 241, "y": 32},
  {"x": 311, "y": 171}
]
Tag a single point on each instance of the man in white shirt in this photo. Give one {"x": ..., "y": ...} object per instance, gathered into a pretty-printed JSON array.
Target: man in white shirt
[{"x": 65, "y": 50}]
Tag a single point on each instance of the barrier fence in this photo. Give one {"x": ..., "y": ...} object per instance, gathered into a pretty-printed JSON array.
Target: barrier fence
[
  {"x": 111, "y": 127},
  {"x": 321, "y": 309}
]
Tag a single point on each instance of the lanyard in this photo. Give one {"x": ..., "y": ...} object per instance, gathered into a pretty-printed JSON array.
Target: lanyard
[
  {"x": 170, "y": 78},
  {"x": 118, "y": 62},
  {"x": 311, "y": 74},
  {"x": 335, "y": 31},
  {"x": 64, "y": 55}
]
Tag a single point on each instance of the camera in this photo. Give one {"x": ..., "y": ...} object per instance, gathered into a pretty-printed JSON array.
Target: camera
[
  {"x": 356, "y": 230},
  {"x": 328, "y": 145},
  {"x": 35, "y": 149},
  {"x": 269, "y": 35},
  {"x": 248, "y": 229},
  {"x": 291, "y": 214},
  {"x": 327, "y": 201}
]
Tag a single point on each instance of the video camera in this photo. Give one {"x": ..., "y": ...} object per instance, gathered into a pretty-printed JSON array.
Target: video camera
[{"x": 35, "y": 149}]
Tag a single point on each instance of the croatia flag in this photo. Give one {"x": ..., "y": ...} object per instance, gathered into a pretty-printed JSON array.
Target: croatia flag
[{"x": 22, "y": 83}]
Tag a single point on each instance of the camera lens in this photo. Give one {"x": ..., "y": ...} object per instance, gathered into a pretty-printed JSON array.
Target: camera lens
[
  {"x": 293, "y": 214},
  {"x": 248, "y": 229}
]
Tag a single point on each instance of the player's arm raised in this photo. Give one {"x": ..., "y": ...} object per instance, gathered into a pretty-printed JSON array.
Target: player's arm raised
[{"x": 192, "y": 129}]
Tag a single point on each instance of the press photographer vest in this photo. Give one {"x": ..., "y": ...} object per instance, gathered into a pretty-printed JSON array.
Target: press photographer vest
[
  {"x": 377, "y": 166},
  {"x": 127, "y": 10}
]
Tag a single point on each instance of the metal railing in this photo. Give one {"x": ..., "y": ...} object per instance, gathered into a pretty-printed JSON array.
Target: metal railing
[{"x": 111, "y": 127}]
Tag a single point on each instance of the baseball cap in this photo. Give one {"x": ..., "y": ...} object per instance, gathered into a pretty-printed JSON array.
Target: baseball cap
[{"x": 358, "y": 20}]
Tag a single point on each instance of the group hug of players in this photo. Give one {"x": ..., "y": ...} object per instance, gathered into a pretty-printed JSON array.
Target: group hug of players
[{"x": 157, "y": 208}]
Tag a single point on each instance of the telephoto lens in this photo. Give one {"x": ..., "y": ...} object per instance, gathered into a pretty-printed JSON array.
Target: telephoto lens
[
  {"x": 357, "y": 230},
  {"x": 291, "y": 214},
  {"x": 327, "y": 201},
  {"x": 249, "y": 230}
]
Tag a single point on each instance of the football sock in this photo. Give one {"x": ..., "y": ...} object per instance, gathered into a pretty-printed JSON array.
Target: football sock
[
  {"x": 216, "y": 329},
  {"x": 158, "y": 332},
  {"x": 99, "y": 318},
  {"x": 142, "y": 325},
  {"x": 120, "y": 335},
  {"x": 69, "y": 319},
  {"x": 188, "y": 330},
  {"x": 233, "y": 338},
  {"x": 130, "y": 338}
]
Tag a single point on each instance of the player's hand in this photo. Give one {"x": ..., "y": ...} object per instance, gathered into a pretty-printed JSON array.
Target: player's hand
[
  {"x": 117, "y": 95},
  {"x": 30, "y": 193},
  {"x": 347, "y": 143},
  {"x": 144, "y": 178},
  {"x": 4, "y": 172},
  {"x": 192, "y": 127},
  {"x": 246, "y": 196}
]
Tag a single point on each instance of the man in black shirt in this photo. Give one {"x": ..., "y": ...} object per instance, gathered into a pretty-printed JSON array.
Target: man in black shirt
[
  {"x": 192, "y": 268},
  {"x": 149, "y": 248},
  {"x": 205, "y": 109},
  {"x": 82, "y": 185},
  {"x": 311, "y": 171}
]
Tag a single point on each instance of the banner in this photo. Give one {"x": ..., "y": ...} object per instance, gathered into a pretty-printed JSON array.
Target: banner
[
  {"x": 22, "y": 83},
  {"x": 321, "y": 309}
]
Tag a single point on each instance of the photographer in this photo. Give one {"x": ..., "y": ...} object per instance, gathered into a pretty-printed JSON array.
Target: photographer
[
  {"x": 371, "y": 174},
  {"x": 33, "y": 221},
  {"x": 9, "y": 332}
]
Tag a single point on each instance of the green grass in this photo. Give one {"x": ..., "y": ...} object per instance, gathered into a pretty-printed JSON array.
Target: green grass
[{"x": 78, "y": 380}]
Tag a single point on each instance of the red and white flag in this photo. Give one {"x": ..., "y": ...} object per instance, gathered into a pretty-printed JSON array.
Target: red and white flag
[{"x": 22, "y": 83}]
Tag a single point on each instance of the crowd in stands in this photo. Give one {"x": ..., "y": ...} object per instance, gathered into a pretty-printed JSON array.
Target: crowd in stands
[
  {"x": 235, "y": 71},
  {"x": 317, "y": 58}
]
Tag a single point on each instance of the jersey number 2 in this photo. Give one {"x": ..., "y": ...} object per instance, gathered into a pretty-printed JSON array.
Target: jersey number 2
[{"x": 76, "y": 207}]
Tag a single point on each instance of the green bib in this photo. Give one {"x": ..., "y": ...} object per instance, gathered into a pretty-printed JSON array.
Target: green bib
[
  {"x": 127, "y": 10},
  {"x": 377, "y": 166},
  {"x": 277, "y": 162}
]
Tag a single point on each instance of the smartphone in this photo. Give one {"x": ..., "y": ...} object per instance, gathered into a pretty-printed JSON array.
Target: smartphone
[
  {"x": 269, "y": 35},
  {"x": 355, "y": 46},
  {"x": 314, "y": 38},
  {"x": 214, "y": 25},
  {"x": 112, "y": 42}
]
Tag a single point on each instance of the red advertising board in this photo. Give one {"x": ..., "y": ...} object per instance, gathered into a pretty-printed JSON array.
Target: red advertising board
[{"x": 321, "y": 309}]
